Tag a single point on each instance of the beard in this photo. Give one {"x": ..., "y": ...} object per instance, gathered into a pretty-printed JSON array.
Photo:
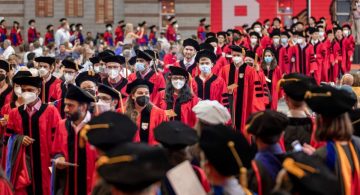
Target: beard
[{"x": 73, "y": 117}]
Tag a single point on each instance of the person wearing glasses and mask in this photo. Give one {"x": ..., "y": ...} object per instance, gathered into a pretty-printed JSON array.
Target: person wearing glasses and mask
[
  {"x": 140, "y": 109},
  {"x": 177, "y": 98}
]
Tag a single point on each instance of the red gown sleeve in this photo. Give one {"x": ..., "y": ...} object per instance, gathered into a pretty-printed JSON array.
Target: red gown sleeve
[{"x": 59, "y": 146}]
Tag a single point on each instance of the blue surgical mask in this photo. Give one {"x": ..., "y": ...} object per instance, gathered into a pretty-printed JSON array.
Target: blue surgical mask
[
  {"x": 139, "y": 66},
  {"x": 284, "y": 40},
  {"x": 268, "y": 59},
  {"x": 205, "y": 68}
]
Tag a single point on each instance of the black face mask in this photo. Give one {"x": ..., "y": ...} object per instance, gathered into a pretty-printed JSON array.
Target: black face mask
[
  {"x": 142, "y": 100},
  {"x": 236, "y": 38},
  {"x": 2, "y": 77}
]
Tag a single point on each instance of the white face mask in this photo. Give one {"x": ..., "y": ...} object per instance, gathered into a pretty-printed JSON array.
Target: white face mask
[
  {"x": 176, "y": 26},
  {"x": 97, "y": 69},
  {"x": 178, "y": 84},
  {"x": 237, "y": 60},
  {"x": 113, "y": 73},
  {"x": 103, "y": 106},
  {"x": 276, "y": 40},
  {"x": 80, "y": 28},
  {"x": 109, "y": 28},
  {"x": 68, "y": 77},
  {"x": 17, "y": 91},
  {"x": 346, "y": 32},
  {"x": 253, "y": 40},
  {"x": 257, "y": 29},
  {"x": 28, "y": 97},
  {"x": 205, "y": 68},
  {"x": 43, "y": 72},
  {"x": 321, "y": 33},
  {"x": 300, "y": 41}
]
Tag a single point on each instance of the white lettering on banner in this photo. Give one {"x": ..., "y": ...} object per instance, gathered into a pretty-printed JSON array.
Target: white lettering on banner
[{"x": 229, "y": 19}]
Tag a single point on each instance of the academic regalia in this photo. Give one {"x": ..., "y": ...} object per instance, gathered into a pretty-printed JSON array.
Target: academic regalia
[
  {"x": 183, "y": 110},
  {"x": 40, "y": 127},
  {"x": 146, "y": 121},
  {"x": 192, "y": 69},
  {"x": 276, "y": 50},
  {"x": 170, "y": 33},
  {"x": 300, "y": 129},
  {"x": 320, "y": 54},
  {"x": 15, "y": 37},
  {"x": 5, "y": 96},
  {"x": 247, "y": 96},
  {"x": 326, "y": 60},
  {"x": 220, "y": 63},
  {"x": 49, "y": 90},
  {"x": 201, "y": 33},
  {"x": 274, "y": 76},
  {"x": 5, "y": 188},
  {"x": 284, "y": 61},
  {"x": 32, "y": 35},
  {"x": 77, "y": 180},
  {"x": 4, "y": 136},
  {"x": 257, "y": 50},
  {"x": 214, "y": 88},
  {"x": 348, "y": 51},
  {"x": 3, "y": 34},
  {"x": 152, "y": 38},
  {"x": 108, "y": 38},
  {"x": 169, "y": 60},
  {"x": 119, "y": 34},
  {"x": 265, "y": 41},
  {"x": 154, "y": 77},
  {"x": 49, "y": 38},
  {"x": 333, "y": 50},
  {"x": 120, "y": 86},
  {"x": 305, "y": 61}
]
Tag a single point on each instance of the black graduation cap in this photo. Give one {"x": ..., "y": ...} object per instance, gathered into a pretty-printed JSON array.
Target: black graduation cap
[
  {"x": 108, "y": 130},
  {"x": 143, "y": 55},
  {"x": 29, "y": 80},
  {"x": 256, "y": 23},
  {"x": 71, "y": 65},
  {"x": 206, "y": 54},
  {"x": 295, "y": 85},
  {"x": 62, "y": 20},
  {"x": 137, "y": 83},
  {"x": 221, "y": 147},
  {"x": 49, "y": 26},
  {"x": 22, "y": 73},
  {"x": 285, "y": 33},
  {"x": 31, "y": 21},
  {"x": 206, "y": 46},
  {"x": 105, "y": 53},
  {"x": 174, "y": 70},
  {"x": 336, "y": 29},
  {"x": 133, "y": 167},
  {"x": 211, "y": 40},
  {"x": 210, "y": 34},
  {"x": 266, "y": 123},
  {"x": 255, "y": 34},
  {"x": 309, "y": 175},
  {"x": 142, "y": 24},
  {"x": 250, "y": 54},
  {"x": 108, "y": 25},
  {"x": 132, "y": 60},
  {"x": 300, "y": 34},
  {"x": 237, "y": 48},
  {"x": 121, "y": 22},
  {"x": 330, "y": 101},
  {"x": 116, "y": 59},
  {"x": 94, "y": 60},
  {"x": 152, "y": 53},
  {"x": 191, "y": 42},
  {"x": 109, "y": 91},
  {"x": 78, "y": 25},
  {"x": 275, "y": 32},
  {"x": 222, "y": 33},
  {"x": 76, "y": 93},
  {"x": 45, "y": 59},
  {"x": 207, "y": 26},
  {"x": 236, "y": 31},
  {"x": 173, "y": 23},
  {"x": 346, "y": 25},
  {"x": 277, "y": 19},
  {"x": 87, "y": 76},
  {"x": 202, "y": 19},
  {"x": 5, "y": 65},
  {"x": 152, "y": 26},
  {"x": 175, "y": 135},
  {"x": 171, "y": 18},
  {"x": 312, "y": 30},
  {"x": 3, "y": 20},
  {"x": 122, "y": 26}
]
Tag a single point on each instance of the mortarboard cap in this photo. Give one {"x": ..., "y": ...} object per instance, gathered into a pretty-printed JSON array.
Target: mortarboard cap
[
  {"x": 29, "y": 80},
  {"x": 105, "y": 54},
  {"x": 202, "y": 19},
  {"x": 143, "y": 55},
  {"x": 329, "y": 101},
  {"x": 255, "y": 34},
  {"x": 221, "y": 33},
  {"x": 238, "y": 49},
  {"x": 266, "y": 123},
  {"x": 206, "y": 46},
  {"x": 76, "y": 93},
  {"x": 275, "y": 32},
  {"x": 210, "y": 34},
  {"x": 139, "y": 83},
  {"x": 95, "y": 60},
  {"x": 5, "y": 65},
  {"x": 45, "y": 59},
  {"x": 22, "y": 73},
  {"x": 174, "y": 70},
  {"x": 71, "y": 65},
  {"x": 295, "y": 85},
  {"x": 88, "y": 76},
  {"x": 191, "y": 42},
  {"x": 115, "y": 59},
  {"x": 175, "y": 135},
  {"x": 206, "y": 54},
  {"x": 132, "y": 60},
  {"x": 109, "y": 91},
  {"x": 250, "y": 54},
  {"x": 211, "y": 40}
]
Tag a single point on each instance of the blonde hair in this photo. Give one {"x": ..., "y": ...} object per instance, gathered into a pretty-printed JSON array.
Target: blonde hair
[{"x": 129, "y": 28}]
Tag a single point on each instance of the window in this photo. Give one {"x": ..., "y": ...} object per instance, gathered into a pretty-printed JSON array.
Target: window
[
  {"x": 285, "y": 11},
  {"x": 104, "y": 11},
  {"x": 74, "y": 8},
  {"x": 44, "y": 8},
  {"x": 167, "y": 10}
]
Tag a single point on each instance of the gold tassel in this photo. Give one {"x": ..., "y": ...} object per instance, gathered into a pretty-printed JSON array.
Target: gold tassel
[
  {"x": 86, "y": 128},
  {"x": 243, "y": 52},
  {"x": 297, "y": 168},
  {"x": 121, "y": 103},
  {"x": 283, "y": 81},
  {"x": 118, "y": 159},
  {"x": 309, "y": 95},
  {"x": 252, "y": 120}
]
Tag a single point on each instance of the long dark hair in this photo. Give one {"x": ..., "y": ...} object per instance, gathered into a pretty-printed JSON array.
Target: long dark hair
[
  {"x": 273, "y": 63},
  {"x": 185, "y": 94},
  {"x": 130, "y": 108}
]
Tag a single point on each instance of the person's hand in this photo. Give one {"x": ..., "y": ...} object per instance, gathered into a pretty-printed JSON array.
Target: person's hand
[
  {"x": 27, "y": 140},
  {"x": 59, "y": 163},
  {"x": 293, "y": 59},
  {"x": 351, "y": 59},
  {"x": 307, "y": 149}
]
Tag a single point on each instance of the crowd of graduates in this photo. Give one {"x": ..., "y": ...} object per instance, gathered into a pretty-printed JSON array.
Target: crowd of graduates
[{"x": 137, "y": 114}]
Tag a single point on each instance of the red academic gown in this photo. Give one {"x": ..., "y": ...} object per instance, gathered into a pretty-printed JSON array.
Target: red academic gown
[
  {"x": 51, "y": 90},
  {"x": 247, "y": 97},
  {"x": 274, "y": 76},
  {"x": 265, "y": 41},
  {"x": 338, "y": 59},
  {"x": 32, "y": 35},
  {"x": 39, "y": 127},
  {"x": 78, "y": 179},
  {"x": 320, "y": 54},
  {"x": 285, "y": 59},
  {"x": 3, "y": 34},
  {"x": 108, "y": 38},
  {"x": 257, "y": 49},
  {"x": 119, "y": 34},
  {"x": 220, "y": 63},
  {"x": 201, "y": 33},
  {"x": 49, "y": 38},
  {"x": 169, "y": 59},
  {"x": 5, "y": 110},
  {"x": 333, "y": 50},
  {"x": 120, "y": 87},
  {"x": 15, "y": 37},
  {"x": 192, "y": 69},
  {"x": 214, "y": 88},
  {"x": 5, "y": 96},
  {"x": 146, "y": 122},
  {"x": 170, "y": 33},
  {"x": 154, "y": 77},
  {"x": 305, "y": 62},
  {"x": 348, "y": 51},
  {"x": 326, "y": 60},
  {"x": 5, "y": 188},
  {"x": 182, "y": 109}
]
